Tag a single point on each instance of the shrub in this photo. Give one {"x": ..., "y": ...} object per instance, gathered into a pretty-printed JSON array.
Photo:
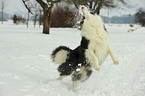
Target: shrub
[
  {"x": 140, "y": 17},
  {"x": 18, "y": 19},
  {"x": 63, "y": 17}
]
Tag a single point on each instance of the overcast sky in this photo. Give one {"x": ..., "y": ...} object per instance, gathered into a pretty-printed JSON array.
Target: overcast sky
[{"x": 16, "y": 6}]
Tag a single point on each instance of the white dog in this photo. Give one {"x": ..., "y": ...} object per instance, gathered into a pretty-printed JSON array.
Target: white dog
[
  {"x": 91, "y": 52},
  {"x": 99, "y": 47}
]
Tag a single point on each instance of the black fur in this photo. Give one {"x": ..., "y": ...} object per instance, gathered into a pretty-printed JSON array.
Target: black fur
[
  {"x": 84, "y": 43},
  {"x": 76, "y": 63}
]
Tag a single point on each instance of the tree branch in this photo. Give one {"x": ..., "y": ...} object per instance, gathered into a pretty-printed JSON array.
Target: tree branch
[
  {"x": 75, "y": 4},
  {"x": 96, "y": 2},
  {"x": 42, "y": 4},
  {"x": 90, "y": 4},
  {"x": 27, "y": 7},
  {"x": 56, "y": 1},
  {"x": 123, "y": 1},
  {"x": 100, "y": 3}
]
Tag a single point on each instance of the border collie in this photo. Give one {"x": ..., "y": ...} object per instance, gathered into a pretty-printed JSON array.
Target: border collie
[{"x": 91, "y": 53}]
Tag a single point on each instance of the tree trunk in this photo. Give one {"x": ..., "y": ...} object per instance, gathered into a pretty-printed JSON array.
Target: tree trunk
[
  {"x": 98, "y": 10},
  {"x": 2, "y": 12},
  {"x": 28, "y": 19},
  {"x": 40, "y": 18},
  {"x": 47, "y": 21},
  {"x": 35, "y": 17},
  {"x": 2, "y": 16},
  {"x": 47, "y": 14}
]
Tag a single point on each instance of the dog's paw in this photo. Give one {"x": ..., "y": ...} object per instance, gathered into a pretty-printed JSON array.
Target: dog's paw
[
  {"x": 60, "y": 78},
  {"x": 76, "y": 89},
  {"x": 116, "y": 62},
  {"x": 98, "y": 68}
]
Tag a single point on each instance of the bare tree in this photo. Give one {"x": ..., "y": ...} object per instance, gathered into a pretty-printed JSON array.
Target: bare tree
[
  {"x": 3, "y": 3},
  {"x": 96, "y": 5},
  {"x": 47, "y": 13},
  {"x": 28, "y": 9},
  {"x": 47, "y": 6},
  {"x": 40, "y": 17},
  {"x": 36, "y": 9}
]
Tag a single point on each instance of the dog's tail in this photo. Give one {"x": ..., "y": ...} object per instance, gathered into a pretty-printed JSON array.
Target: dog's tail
[{"x": 59, "y": 55}]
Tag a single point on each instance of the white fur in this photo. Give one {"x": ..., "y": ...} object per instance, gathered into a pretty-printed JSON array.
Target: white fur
[
  {"x": 99, "y": 46},
  {"x": 60, "y": 57}
]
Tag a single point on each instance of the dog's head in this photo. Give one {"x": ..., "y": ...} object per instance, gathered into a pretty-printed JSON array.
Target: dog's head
[
  {"x": 94, "y": 20},
  {"x": 86, "y": 13}
]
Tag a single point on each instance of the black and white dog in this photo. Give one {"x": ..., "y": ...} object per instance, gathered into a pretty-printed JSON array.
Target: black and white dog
[{"x": 93, "y": 50}]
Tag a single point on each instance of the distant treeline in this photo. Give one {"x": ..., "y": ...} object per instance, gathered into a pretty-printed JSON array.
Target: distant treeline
[
  {"x": 6, "y": 16},
  {"x": 125, "y": 19}
]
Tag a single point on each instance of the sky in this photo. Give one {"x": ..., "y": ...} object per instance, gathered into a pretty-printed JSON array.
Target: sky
[{"x": 16, "y": 6}]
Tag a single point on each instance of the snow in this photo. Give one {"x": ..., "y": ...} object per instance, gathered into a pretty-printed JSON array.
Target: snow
[{"x": 26, "y": 68}]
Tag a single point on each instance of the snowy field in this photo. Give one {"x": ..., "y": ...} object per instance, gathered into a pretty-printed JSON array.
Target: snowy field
[{"x": 26, "y": 68}]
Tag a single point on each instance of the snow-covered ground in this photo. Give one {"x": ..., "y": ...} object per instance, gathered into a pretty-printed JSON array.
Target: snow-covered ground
[{"x": 26, "y": 68}]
